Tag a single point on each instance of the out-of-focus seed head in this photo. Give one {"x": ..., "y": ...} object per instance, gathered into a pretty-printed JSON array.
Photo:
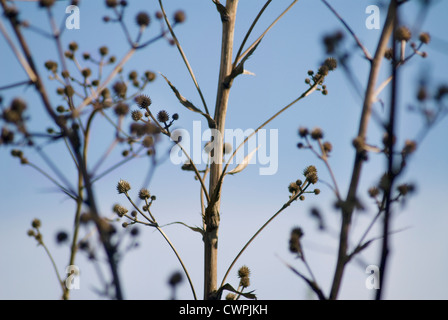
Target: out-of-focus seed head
[{"x": 142, "y": 19}]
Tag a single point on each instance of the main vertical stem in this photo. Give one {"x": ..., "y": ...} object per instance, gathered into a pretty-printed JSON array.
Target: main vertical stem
[
  {"x": 212, "y": 211},
  {"x": 369, "y": 98}
]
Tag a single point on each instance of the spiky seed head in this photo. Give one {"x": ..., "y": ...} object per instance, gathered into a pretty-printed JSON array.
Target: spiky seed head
[
  {"x": 293, "y": 187},
  {"x": 119, "y": 210},
  {"x": 143, "y": 101},
  {"x": 317, "y": 133},
  {"x": 244, "y": 271},
  {"x": 245, "y": 282},
  {"x": 163, "y": 116},
  {"x": 309, "y": 169},
  {"x": 123, "y": 186},
  {"x": 144, "y": 194},
  {"x": 136, "y": 115}
]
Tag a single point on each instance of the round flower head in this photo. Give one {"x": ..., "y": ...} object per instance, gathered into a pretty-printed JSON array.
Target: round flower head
[
  {"x": 175, "y": 279},
  {"x": 136, "y": 115},
  {"x": 36, "y": 223},
  {"x": 403, "y": 34},
  {"x": 46, "y": 3},
  {"x": 120, "y": 210},
  {"x": 51, "y": 65},
  {"x": 163, "y": 116},
  {"x": 103, "y": 50},
  {"x": 425, "y": 37},
  {"x": 179, "y": 16},
  {"x": 121, "y": 109},
  {"x": 143, "y": 101},
  {"x": 142, "y": 19},
  {"x": 331, "y": 63},
  {"x": 120, "y": 89},
  {"x": 245, "y": 282},
  {"x": 123, "y": 186},
  {"x": 243, "y": 272},
  {"x": 144, "y": 194},
  {"x": 317, "y": 134},
  {"x": 111, "y": 3}
]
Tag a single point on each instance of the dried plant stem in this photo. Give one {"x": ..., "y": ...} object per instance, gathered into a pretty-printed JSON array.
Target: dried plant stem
[
  {"x": 109, "y": 78},
  {"x": 180, "y": 260},
  {"x": 49, "y": 177},
  {"x": 17, "y": 84},
  {"x": 184, "y": 57},
  {"x": 211, "y": 219},
  {"x": 54, "y": 266},
  {"x": 358, "y": 42},
  {"x": 390, "y": 166},
  {"x": 74, "y": 244},
  {"x": 349, "y": 205},
  {"x": 238, "y": 54},
  {"x": 23, "y": 62},
  {"x": 238, "y": 58}
]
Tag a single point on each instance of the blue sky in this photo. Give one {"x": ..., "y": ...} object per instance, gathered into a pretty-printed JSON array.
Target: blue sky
[{"x": 419, "y": 257}]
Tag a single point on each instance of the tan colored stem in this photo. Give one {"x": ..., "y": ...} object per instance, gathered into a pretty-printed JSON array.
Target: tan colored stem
[{"x": 212, "y": 211}]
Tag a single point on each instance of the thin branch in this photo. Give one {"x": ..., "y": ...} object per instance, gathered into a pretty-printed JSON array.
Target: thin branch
[
  {"x": 390, "y": 167},
  {"x": 250, "y": 30},
  {"x": 23, "y": 62},
  {"x": 303, "y": 95},
  {"x": 311, "y": 283},
  {"x": 238, "y": 58},
  {"x": 63, "y": 189},
  {"x": 17, "y": 84},
  {"x": 184, "y": 57},
  {"x": 286, "y": 205},
  {"x": 350, "y": 30}
]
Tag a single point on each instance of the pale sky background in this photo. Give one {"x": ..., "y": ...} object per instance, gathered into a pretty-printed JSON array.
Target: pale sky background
[{"x": 419, "y": 256}]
